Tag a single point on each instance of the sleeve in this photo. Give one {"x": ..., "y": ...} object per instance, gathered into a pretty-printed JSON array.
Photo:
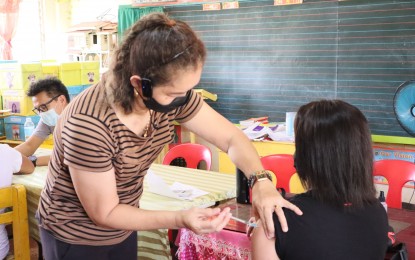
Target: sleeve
[
  {"x": 190, "y": 109},
  {"x": 42, "y": 130},
  {"x": 10, "y": 157},
  {"x": 87, "y": 144}
]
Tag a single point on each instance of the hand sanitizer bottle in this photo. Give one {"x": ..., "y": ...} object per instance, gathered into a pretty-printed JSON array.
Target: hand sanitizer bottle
[{"x": 383, "y": 200}]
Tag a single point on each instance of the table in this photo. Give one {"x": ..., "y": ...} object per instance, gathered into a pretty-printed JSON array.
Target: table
[
  {"x": 151, "y": 244},
  {"x": 232, "y": 242}
]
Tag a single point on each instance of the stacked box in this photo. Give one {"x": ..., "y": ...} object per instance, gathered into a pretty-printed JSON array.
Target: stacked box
[
  {"x": 2, "y": 129},
  {"x": 14, "y": 126},
  {"x": 7, "y": 68},
  {"x": 50, "y": 70},
  {"x": 89, "y": 72},
  {"x": 70, "y": 73},
  {"x": 74, "y": 91},
  {"x": 17, "y": 76},
  {"x": 17, "y": 101}
]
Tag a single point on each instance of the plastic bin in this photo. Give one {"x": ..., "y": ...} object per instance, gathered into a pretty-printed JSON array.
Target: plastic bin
[
  {"x": 18, "y": 102},
  {"x": 70, "y": 73},
  {"x": 14, "y": 126},
  {"x": 2, "y": 129},
  {"x": 89, "y": 72},
  {"x": 19, "y": 76},
  {"x": 50, "y": 70}
]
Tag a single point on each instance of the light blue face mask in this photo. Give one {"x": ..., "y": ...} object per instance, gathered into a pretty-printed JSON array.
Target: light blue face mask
[{"x": 49, "y": 117}]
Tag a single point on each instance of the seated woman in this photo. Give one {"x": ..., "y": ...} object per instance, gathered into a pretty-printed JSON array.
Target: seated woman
[
  {"x": 342, "y": 217},
  {"x": 11, "y": 161}
]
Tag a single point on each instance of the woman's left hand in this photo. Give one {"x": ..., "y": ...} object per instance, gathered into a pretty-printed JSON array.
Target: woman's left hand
[{"x": 267, "y": 200}]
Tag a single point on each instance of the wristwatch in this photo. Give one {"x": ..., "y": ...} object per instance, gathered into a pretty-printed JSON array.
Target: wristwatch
[
  {"x": 33, "y": 158},
  {"x": 259, "y": 176}
]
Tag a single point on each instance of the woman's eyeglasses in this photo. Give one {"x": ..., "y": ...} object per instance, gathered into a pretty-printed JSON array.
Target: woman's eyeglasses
[{"x": 43, "y": 107}]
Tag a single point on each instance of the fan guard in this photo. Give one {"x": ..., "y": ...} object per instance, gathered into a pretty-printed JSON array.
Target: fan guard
[{"x": 404, "y": 106}]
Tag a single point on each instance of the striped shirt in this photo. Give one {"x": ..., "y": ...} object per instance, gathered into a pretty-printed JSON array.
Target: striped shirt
[{"x": 90, "y": 137}]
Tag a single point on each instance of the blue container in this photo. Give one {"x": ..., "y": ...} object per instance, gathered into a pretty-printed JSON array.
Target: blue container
[
  {"x": 14, "y": 126},
  {"x": 2, "y": 129}
]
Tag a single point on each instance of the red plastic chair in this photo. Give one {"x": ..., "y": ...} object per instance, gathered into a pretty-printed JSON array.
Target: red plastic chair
[
  {"x": 397, "y": 172},
  {"x": 282, "y": 165},
  {"x": 193, "y": 154}
]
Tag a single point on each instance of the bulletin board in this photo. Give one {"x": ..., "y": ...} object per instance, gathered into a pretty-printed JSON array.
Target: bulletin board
[{"x": 265, "y": 60}]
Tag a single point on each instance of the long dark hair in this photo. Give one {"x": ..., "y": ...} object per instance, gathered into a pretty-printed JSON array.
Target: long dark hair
[
  {"x": 334, "y": 157},
  {"x": 155, "y": 47}
]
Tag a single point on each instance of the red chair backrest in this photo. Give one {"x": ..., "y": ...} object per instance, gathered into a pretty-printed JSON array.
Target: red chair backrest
[
  {"x": 282, "y": 165},
  {"x": 193, "y": 154},
  {"x": 397, "y": 172}
]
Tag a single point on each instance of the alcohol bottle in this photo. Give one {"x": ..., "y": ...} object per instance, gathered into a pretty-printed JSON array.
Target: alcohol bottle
[{"x": 29, "y": 128}]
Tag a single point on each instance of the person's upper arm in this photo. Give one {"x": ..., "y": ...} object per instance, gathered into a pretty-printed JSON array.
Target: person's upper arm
[
  {"x": 42, "y": 130},
  {"x": 205, "y": 122},
  {"x": 262, "y": 248},
  {"x": 87, "y": 144},
  {"x": 97, "y": 193},
  {"x": 212, "y": 126},
  {"x": 88, "y": 153}
]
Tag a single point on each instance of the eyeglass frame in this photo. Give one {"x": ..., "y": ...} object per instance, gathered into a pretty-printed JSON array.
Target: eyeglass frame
[{"x": 44, "y": 107}]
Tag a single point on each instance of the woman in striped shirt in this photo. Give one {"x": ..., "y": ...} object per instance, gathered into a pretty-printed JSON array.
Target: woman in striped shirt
[{"x": 107, "y": 138}]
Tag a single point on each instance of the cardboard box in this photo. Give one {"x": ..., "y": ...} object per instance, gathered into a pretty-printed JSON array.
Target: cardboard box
[
  {"x": 19, "y": 76},
  {"x": 18, "y": 102},
  {"x": 89, "y": 72},
  {"x": 74, "y": 91},
  {"x": 14, "y": 126},
  {"x": 70, "y": 73}
]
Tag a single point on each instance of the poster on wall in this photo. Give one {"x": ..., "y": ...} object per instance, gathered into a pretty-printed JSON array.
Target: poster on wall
[{"x": 393, "y": 154}]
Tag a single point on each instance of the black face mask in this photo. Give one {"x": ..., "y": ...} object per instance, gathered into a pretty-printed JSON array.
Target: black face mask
[{"x": 152, "y": 104}]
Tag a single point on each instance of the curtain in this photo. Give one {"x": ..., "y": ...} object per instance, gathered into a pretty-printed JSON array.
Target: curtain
[
  {"x": 128, "y": 15},
  {"x": 9, "y": 14}
]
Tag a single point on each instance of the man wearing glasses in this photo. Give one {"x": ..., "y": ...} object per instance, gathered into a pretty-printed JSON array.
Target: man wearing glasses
[{"x": 49, "y": 97}]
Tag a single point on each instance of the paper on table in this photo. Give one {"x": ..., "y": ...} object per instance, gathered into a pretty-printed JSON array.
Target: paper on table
[{"x": 177, "y": 190}]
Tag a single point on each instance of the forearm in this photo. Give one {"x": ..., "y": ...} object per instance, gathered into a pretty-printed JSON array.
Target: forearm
[
  {"x": 25, "y": 149},
  {"x": 30, "y": 146},
  {"x": 125, "y": 217}
]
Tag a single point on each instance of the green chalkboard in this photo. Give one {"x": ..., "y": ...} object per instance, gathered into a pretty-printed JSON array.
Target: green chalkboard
[{"x": 265, "y": 60}]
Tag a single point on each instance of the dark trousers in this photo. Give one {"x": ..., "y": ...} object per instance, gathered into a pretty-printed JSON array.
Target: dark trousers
[{"x": 54, "y": 249}]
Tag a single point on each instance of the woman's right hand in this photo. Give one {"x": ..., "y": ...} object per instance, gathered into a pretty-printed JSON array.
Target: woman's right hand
[
  {"x": 203, "y": 221},
  {"x": 267, "y": 200}
]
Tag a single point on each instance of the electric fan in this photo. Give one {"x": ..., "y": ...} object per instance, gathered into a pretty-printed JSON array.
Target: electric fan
[{"x": 404, "y": 106}]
